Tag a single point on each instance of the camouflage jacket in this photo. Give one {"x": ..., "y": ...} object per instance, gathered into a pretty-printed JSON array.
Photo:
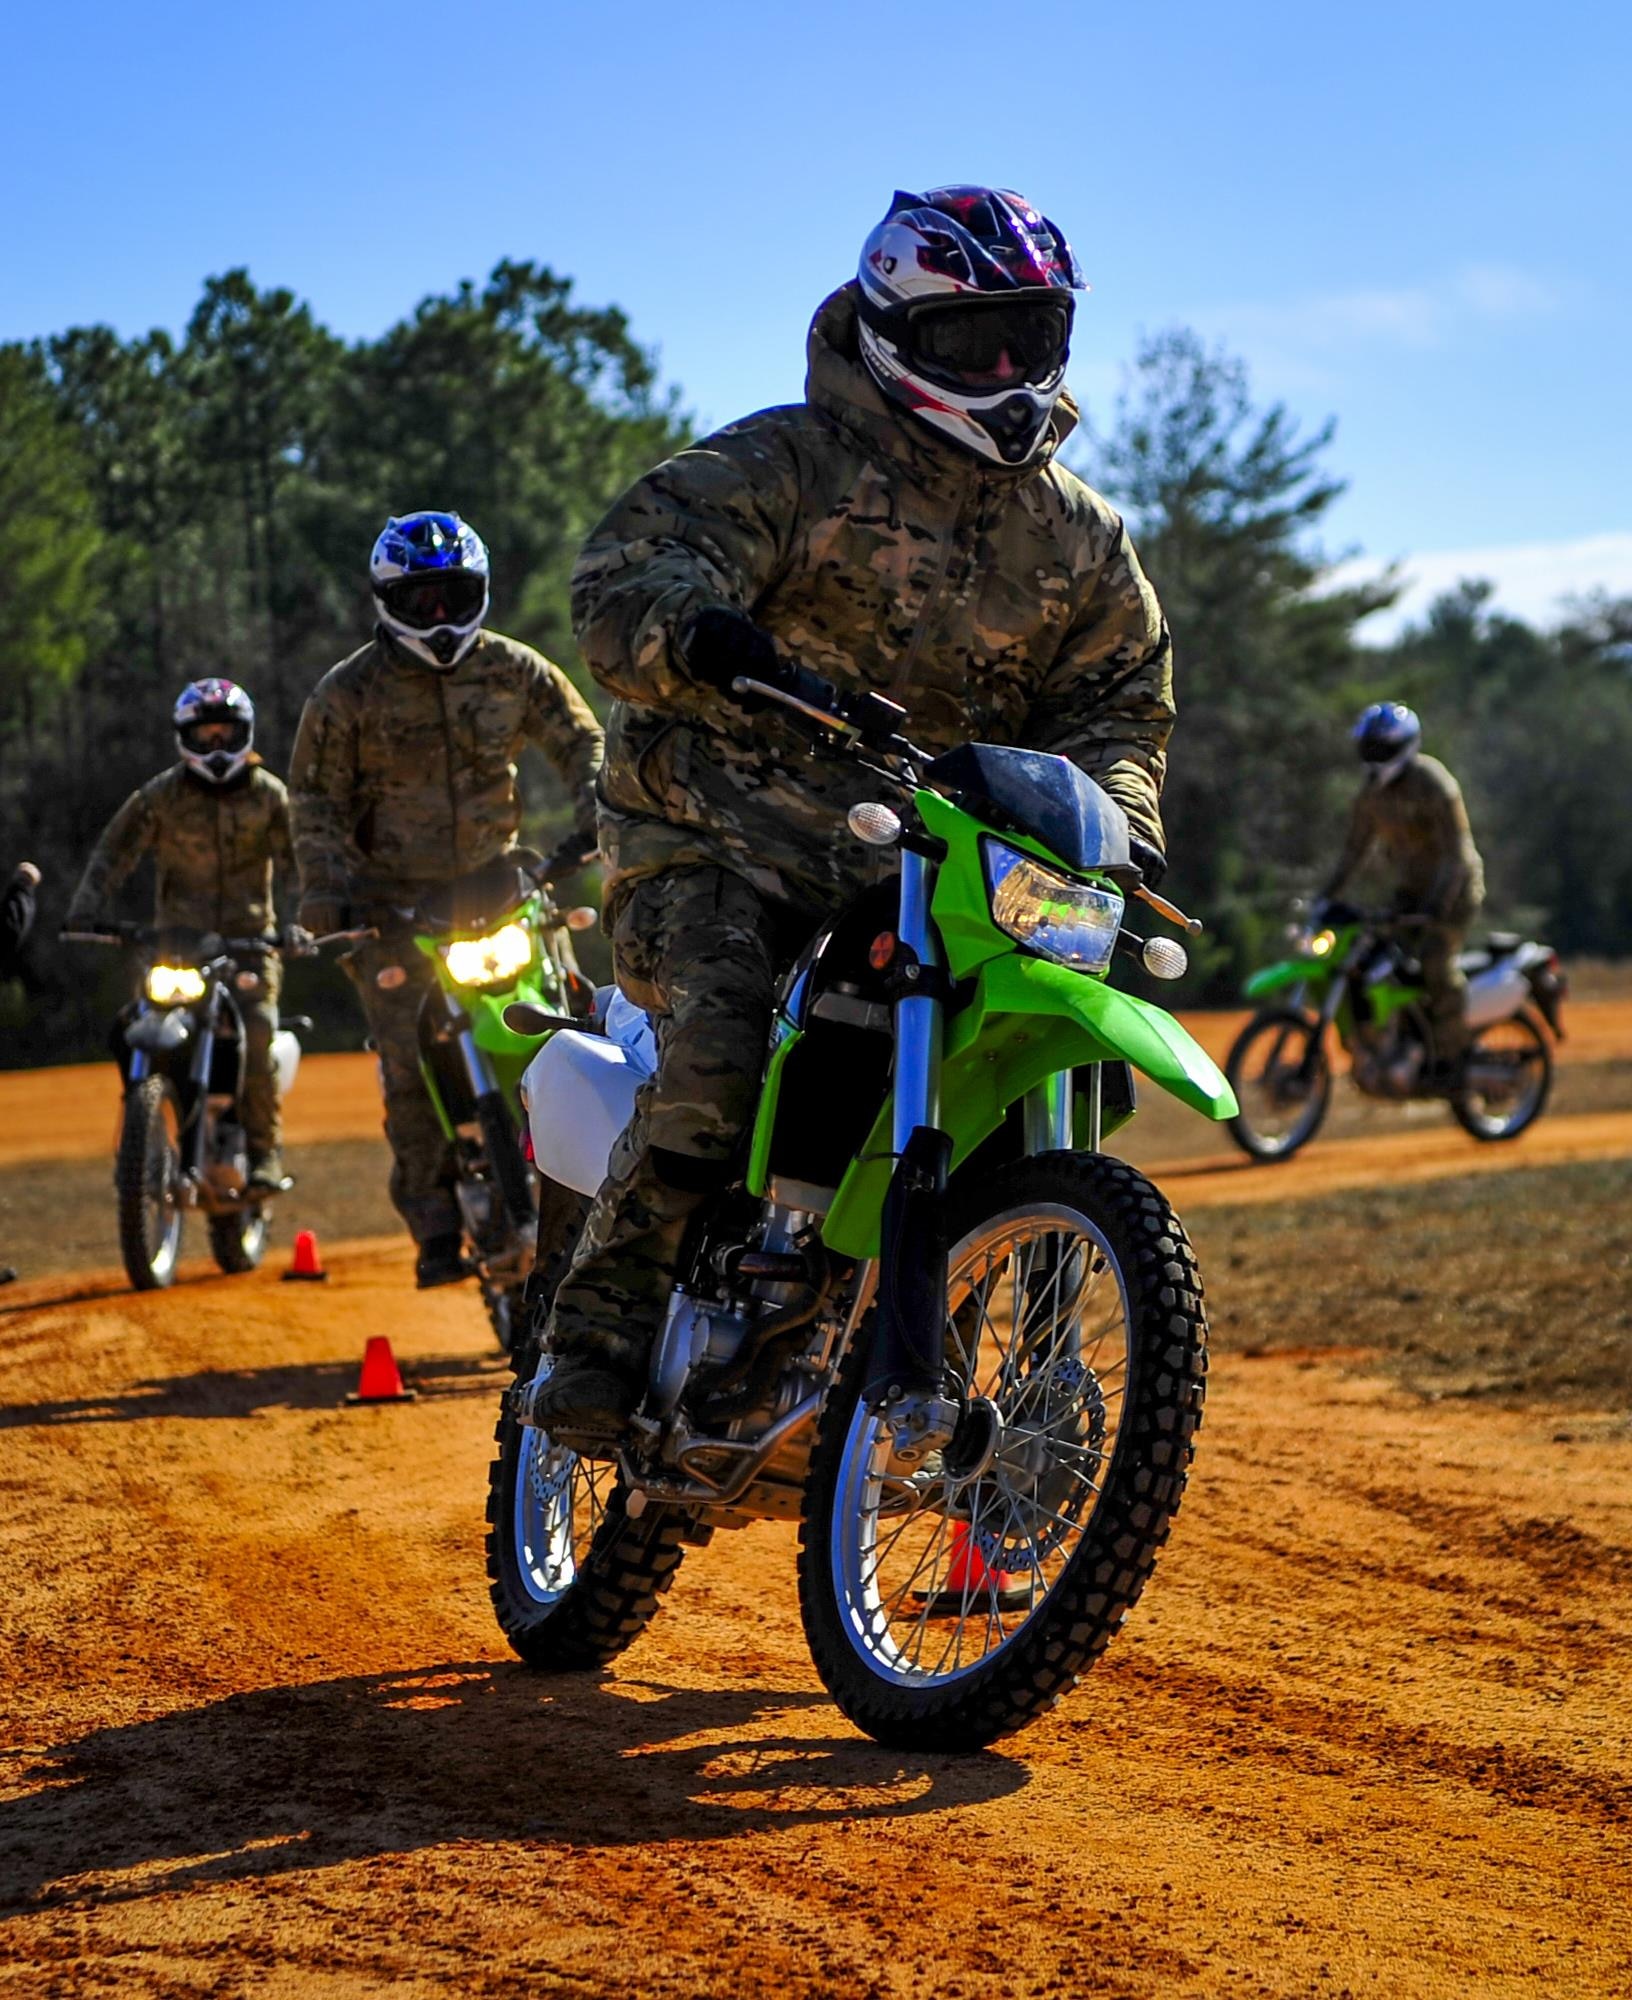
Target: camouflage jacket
[
  {"x": 404, "y": 776},
  {"x": 1418, "y": 826},
  {"x": 1000, "y": 605},
  {"x": 214, "y": 847}
]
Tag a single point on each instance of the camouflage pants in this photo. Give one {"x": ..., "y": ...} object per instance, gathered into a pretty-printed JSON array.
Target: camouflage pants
[
  {"x": 422, "y": 1159},
  {"x": 699, "y": 949},
  {"x": 258, "y": 1098},
  {"x": 1446, "y": 988}
]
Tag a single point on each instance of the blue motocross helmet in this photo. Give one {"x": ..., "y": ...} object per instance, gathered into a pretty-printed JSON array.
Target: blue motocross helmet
[
  {"x": 1388, "y": 735},
  {"x": 430, "y": 577}
]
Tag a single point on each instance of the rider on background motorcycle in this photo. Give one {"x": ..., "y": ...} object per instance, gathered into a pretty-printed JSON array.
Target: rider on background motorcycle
[
  {"x": 1411, "y": 809},
  {"x": 217, "y": 825},
  {"x": 404, "y": 778},
  {"x": 906, "y": 530}
]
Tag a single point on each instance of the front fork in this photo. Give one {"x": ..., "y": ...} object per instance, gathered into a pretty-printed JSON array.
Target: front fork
[{"x": 906, "y": 1382}]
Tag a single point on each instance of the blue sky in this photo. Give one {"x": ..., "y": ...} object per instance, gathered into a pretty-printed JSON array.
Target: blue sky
[{"x": 1413, "y": 218}]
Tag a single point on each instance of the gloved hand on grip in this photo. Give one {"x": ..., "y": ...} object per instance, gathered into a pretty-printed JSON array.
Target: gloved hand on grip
[
  {"x": 721, "y": 646},
  {"x": 1148, "y": 859}
]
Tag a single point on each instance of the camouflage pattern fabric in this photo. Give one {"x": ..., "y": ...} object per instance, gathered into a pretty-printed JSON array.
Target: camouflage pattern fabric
[
  {"x": 1437, "y": 946},
  {"x": 259, "y": 1101},
  {"x": 1417, "y": 826},
  {"x": 215, "y": 848},
  {"x": 422, "y": 1160},
  {"x": 998, "y": 604},
  {"x": 404, "y": 776},
  {"x": 699, "y": 949}
]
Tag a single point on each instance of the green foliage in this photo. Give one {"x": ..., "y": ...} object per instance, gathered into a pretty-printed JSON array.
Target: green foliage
[
  {"x": 1224, "y": 500},
  {"x": 50, "y": 609},
  {"x": 1539, "y": 727},
  {"x": 207, "y": 505}
]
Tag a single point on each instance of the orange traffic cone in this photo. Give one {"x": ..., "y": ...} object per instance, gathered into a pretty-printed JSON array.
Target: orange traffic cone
[
  {"x": 307, "y": 1266},
  {"x": 970, "y": 1584},
  {"x": 381, "y": 1379}
]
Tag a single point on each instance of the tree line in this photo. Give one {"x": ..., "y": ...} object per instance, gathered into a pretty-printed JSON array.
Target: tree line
[{"x": 180, "y": 507}]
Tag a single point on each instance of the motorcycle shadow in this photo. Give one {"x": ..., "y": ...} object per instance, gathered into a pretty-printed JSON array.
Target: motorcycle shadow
[
  {"x": 248, "y": 1392},
  {"x": 280, "y": 1780}
]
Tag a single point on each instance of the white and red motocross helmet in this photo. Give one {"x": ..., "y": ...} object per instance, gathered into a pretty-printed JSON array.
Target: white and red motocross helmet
[
  {"x": 966, "y": 306},
  {"x": 215, "y": 729}
]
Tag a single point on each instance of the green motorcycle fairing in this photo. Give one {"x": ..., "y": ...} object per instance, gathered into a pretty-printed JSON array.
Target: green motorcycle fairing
[
  {"x": 1028, "y": 1019},
  {"x": 509, "y": 1053},
  {"x": 1269, "y": 980}
]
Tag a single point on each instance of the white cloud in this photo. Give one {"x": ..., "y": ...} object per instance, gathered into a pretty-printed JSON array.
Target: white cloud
[
  {"x": 1296, "y": 337},
  {"x": 1531, "y": 578}
]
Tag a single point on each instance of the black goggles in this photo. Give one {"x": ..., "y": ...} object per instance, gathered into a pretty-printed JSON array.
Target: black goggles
[
  {"x": 963, "y": 341},
  {"x": 216, "y": 732},
  {"x": 442, "y": 597}
]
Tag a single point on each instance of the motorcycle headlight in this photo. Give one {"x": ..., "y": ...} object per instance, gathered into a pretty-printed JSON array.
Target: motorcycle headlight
[
  {"x": 495, "y": 960},
  {"x": 1320, "y": 945},
  {"x": 172, "y": 985},
  {"x": 1074, "y": 923}
]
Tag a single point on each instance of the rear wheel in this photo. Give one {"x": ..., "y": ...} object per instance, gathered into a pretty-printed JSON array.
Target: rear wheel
[
  {"x": 1506, "y": 1079},
  {"x": 1282, "y": 1081},
  {"x": 147, "y": 1179},
  {"x": 238, "y": 1240},
  {"x": 950, "y": 1602},
  {"x": 573, "y": 1579}
]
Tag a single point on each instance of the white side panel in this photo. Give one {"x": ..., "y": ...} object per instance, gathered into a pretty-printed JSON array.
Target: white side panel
[
  {"x": 579, "y": 1091},
  {"x": 1496, "y": 994},
  {"x": 286, "y": 1058}
]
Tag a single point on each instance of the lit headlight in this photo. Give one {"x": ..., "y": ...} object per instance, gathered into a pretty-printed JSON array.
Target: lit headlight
[
  {"x": 169, "y": 984},
  {"x": 1052, "y": 914},
  {"x": 1320, "y": 945},
  {"x": 494, "y": 960}
]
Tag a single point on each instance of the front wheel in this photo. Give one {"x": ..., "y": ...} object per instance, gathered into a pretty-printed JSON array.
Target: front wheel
[
  {"x": 1282, "y": 1081},
  {"x": 238, "y": 1239},
  {"x": 950, "y": 1602},
  {"x": 147, "y": 1181},
  {"x": 573, "y": 1579},
  {"x": 1506, "y": 1079}
]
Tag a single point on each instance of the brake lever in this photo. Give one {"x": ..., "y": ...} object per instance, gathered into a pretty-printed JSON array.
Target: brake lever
[
  {"x": 1193, "y": 926},
  {"x": 742, "y": 684}
]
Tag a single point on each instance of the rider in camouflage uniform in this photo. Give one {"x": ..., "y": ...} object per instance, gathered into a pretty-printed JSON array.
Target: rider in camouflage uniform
[
  {"x": 217, "y": 825},
  {"x": 907, "y": 529},
  {"x": 403, "y": 778},
  {"x": 1411, "y": 811}
]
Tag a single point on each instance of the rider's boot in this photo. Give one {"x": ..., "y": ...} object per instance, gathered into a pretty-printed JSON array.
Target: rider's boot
[
  {"x": 266, "y": 1170},
  {"x": 612, "y": 1302},
  {"x": 440, "y": 1262}
]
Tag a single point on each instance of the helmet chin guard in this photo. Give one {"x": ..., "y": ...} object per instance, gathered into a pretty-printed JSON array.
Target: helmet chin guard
[
  {"x": 214, "y": 722},
  {"x": 965, "y": 303},
  {"x": 430, "y": 576}
]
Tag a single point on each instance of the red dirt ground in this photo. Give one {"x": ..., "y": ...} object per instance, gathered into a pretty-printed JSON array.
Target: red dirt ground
[{"x": 1369, "y": 1732}]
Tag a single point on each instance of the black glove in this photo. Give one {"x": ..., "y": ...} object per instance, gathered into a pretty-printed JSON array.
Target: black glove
[
  {"x": 323, "y": 915},
  {"x": 720, "y": 645},
  {"x": 1150, "y": 861}
]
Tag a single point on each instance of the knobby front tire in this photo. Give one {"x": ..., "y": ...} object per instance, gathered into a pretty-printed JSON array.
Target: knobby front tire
[{"x": 949, "y": 1604}]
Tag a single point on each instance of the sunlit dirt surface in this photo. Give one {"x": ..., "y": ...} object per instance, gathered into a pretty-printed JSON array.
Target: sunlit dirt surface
[{"x": 1368, "y": 1732}]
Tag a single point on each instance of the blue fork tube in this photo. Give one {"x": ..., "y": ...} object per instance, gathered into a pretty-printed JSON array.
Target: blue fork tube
[
  {"x": 909, "y": 1338},
  {"x": 919, "y": 1018}
]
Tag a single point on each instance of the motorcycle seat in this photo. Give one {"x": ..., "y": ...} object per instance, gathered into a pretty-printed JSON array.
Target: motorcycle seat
[{"x": 1502, "y": 944}]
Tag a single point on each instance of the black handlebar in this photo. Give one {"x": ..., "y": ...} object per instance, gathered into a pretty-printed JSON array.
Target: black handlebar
[{"x": 210, "y": 945}]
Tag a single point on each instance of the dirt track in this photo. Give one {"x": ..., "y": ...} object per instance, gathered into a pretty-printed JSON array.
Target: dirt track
[{"x": 1369, "y": 1732}]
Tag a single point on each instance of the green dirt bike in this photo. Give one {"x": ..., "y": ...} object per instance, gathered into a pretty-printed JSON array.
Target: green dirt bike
[
  {"x": 1354, "y": 975},
  {"x": 494, "y": 938},
  {"x": 933, "y": 1321}
]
